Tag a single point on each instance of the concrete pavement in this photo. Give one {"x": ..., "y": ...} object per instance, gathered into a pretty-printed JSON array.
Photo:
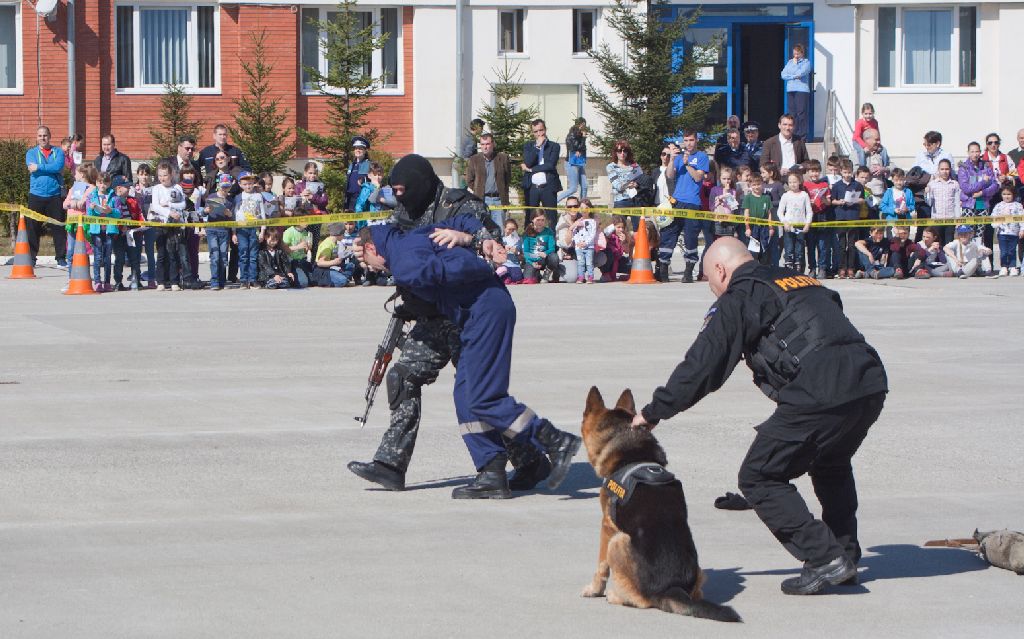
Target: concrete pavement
[{"x": 172, "y": 465}]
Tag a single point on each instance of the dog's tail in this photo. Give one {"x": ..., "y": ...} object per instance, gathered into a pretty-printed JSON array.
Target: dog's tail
[{"x": 678, "y": 601}]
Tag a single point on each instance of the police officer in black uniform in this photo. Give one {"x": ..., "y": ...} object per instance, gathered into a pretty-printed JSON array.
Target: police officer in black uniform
[
  {"x": 829, "y": 385},
  {"x": 433, "y": 341}
]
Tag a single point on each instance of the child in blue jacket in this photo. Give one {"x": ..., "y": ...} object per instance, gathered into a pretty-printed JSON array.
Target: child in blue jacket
[
  {"x": 465, "y": 289},
  {"x": 103, "y": 203},
  {"x": 898, "y": 201}
]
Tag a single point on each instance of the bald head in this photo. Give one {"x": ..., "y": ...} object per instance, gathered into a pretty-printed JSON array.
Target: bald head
[{"x": 723, "y": 257}]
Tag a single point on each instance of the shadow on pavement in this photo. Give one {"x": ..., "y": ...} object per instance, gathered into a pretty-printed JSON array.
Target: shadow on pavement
[
  {"x": 581, "y": 477},
  {"x": 899, "y": 561},
  {"x": 723, "y": 584},
  {"x": 438, "y": 483}
]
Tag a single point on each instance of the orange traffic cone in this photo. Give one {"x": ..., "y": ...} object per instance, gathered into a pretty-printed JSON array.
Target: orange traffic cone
[
  {"x": 641, "y": 272},
  {"x": 81, "y": 283},
  {"x": 23, "y": 268}
]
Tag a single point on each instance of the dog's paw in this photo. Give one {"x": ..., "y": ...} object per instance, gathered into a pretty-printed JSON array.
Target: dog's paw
[{"x": 591, "y": 591}]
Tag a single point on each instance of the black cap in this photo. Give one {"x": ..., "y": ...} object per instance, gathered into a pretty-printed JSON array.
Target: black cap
[
  {"x": 750, "y": 125},
  {"x": 360, "y": 142}
]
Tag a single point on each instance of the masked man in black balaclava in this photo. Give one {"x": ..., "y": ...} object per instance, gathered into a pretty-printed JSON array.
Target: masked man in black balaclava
[{"x": 433, "y": 340}]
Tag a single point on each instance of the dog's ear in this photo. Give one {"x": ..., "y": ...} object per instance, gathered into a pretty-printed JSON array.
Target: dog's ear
[
  {"x": 594, "y": 401},
  {"x": 626, "y": 402}
]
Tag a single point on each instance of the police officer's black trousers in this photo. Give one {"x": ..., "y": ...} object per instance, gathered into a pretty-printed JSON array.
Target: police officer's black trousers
[{"x": 793, "y": 442}]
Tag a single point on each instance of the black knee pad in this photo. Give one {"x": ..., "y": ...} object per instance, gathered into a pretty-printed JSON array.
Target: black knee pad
[{"x": 400, "y": 386}]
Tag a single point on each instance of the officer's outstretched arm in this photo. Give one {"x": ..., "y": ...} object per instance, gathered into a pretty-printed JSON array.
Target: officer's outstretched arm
[{"x": 709, "y": 362}]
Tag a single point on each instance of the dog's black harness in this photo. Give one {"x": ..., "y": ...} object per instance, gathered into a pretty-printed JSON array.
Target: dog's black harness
[{"x": 623, "y": 482}]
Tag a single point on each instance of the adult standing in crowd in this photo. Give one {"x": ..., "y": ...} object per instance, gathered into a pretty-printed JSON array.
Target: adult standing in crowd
[
  {"x": 488, "y": 174},
  {"x": 541, "y": 183},
  {"x": 752, "y": 143},
  {"x": 995, "y": 158},
  {"x": 185, "y": 158},
  {"x": 576, "y": 160},
  {"x": 111, "y": 161},
  {"x": 1017, "y": 155},
  {"x": 469, "y": 143},
  {"x": 688, "y": 168},
  {"x": 220, "y": 143},
  {"x": 623, "y": 172},
  {"x": 829, "y": 386},
  {"x": 797, "y": 74},
  {"x": 46, "y": 180},
  {"x": 926, "y": 166},
  {"x": 358, "y": 169},
  {"x": 732, "y": 154},
  {"x": 785, "y": 149}
]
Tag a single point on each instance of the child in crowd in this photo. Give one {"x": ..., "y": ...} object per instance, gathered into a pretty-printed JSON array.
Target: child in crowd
[
  {"x": 271, "y": 201},
  {"x": 934, "y": 263},
  {"x": 795, "y": 214},
  {"x": 847, "y": 197},
  {"x": 866, "y": 121},
  {"x": 143, "y": 192},
  {"x": 539, "y": 251},
  {"x": 1008, "y": 232},
  {"x": 332, "y": 269},
  {"x": 297, "y": 240},
  {"x": 898, "y": 201},
  {"x": 875, "y": 255},
  {"x": 129, "y": 241},
  {"x": 273, "y": 270},
  {"x": 102, "y": 203},
  {"x": 966, "y": 255},
  {"x": 506, "y": 266},
  {"x": 345, "y": 244},
  {"x": 314, "y": 199},
  {"x": 943, "y": 194},
  {"x": 723, "y": 199},
  {"x": 248, "y": 207},
  {"x": 75, "y": 204},
  {"x": 774, "y": 187},
  {"x": 511, "y": 239},
  {"x": 188, "y": 251},
  {"x": 619, "y": 248},
  {"x": 743, "y": 174},
  {"x": 366, "y": 189},
  {"x": 584, "y": 238},
  {"x": 757, "y": 205},
  {"x": 832, "y": 173},
  {"x": 821, "y": 242},
  {"x": 168, "y": 205},
  {"x": 219, "y": 208},
  {"x": 289, "y": 200},
  {"x": 905, "y": 254}
]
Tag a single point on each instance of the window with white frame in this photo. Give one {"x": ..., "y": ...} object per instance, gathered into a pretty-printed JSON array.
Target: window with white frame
[
  {"x": 159, "y": 44},
  {"x": 10, "y": 48},
  {"x": 510, "y": 31},
  {"x": 383, "y": 64},
  {"x": 584, "y": 30},
  {"x": 927, "y": 47}
]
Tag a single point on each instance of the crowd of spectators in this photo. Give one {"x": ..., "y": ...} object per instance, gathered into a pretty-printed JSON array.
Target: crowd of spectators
[{"x": 739, "y": 175}]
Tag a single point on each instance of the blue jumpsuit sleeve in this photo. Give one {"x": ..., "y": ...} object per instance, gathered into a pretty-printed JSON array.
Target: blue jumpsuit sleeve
[{"x": 464, "y": 223}]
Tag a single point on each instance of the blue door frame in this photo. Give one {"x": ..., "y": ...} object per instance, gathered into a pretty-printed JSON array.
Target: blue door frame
[{"x": 799, "y": 28}]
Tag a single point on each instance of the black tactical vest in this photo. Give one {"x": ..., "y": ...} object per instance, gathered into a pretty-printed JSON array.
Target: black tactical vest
[
  {"x": 623, "y": 482},
  {"x": 811, "y": 319}
]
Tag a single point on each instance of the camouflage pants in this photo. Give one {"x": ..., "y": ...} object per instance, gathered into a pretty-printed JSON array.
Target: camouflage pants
[{"x": 428, "y": 348}]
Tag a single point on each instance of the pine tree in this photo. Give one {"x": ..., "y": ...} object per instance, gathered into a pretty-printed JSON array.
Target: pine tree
[
  {"x": 174, "y": 121},
  {"x": 506, "y": 119},
  {"x": 259, "y": 121},
  {"x": 348, "y": 85},
  {"x": 643, "y": 107}
]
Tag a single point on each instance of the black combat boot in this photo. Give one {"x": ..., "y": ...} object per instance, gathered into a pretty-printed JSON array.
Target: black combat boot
[
  {"x": 379, "y": 473},
  {"x": 560, "y": 448},
  {"x": 813, "y": 578},
  {"x": 490, "y": 483},
  {"x": 688, "y": 273},
  {"x": 527, "y": 477},
  {"x": 662, "y": 275}
]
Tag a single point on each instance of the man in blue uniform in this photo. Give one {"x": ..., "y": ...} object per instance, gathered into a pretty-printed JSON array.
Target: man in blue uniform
[
  {"x": 464, "y": 289},
  {"x": 829, "y": 385}
]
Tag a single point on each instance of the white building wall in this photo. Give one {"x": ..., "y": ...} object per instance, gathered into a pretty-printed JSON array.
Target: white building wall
[
  {"x": 962, "y": 115},
  {"x": 834, "y": 56}
]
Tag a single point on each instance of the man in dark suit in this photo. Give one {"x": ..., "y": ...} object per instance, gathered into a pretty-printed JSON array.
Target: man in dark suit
[
  {"x": 541, "y": 183},
  {"x": 185, "y": 156},
  {"x": 111, "y": 161},
  {"x": 785, "y": 149}
]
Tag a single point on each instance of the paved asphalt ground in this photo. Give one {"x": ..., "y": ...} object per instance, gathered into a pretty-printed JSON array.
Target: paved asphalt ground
[{"x": 173, "y": 465}]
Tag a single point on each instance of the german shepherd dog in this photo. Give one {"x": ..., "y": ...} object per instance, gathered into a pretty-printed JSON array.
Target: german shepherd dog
[{"x": 645, "y": 540}]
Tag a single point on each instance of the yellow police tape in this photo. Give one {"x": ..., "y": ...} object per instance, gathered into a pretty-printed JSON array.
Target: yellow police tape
[{"x": 649, "y": 212}]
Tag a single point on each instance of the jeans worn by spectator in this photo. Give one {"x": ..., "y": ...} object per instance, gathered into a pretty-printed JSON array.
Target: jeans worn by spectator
[
  {"x": 101, "y": 247},
  {"x": 764, "y": 235},
  {"x": 1007, "y": 251},
  {"x": 248, "y": 252},
  {"x": 793, "y": 246},
  {"x": 535, "y": 271},
  {"x": 134, "y": 256},
  {"x": 149, "y": 242},
  {"x": 576, "y": 176},
  {"x": 192, "y": 243},
  {"x": 585, "y": 260},
  {"x": 828, "y": 250},
  {"x": 217, "y": 241},
  {"x": 884, "y": 272},
  {"x": 497, "y": 215}
]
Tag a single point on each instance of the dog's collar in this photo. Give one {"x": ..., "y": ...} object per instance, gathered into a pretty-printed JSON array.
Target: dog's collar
[{"x": 623, "y": 481}]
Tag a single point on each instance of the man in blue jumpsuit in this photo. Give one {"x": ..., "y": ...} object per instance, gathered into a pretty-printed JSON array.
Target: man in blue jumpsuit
[{"x": 465, "y": 289}]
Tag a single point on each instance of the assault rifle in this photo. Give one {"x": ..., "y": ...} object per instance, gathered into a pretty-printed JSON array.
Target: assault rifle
[{"x": 394, "y": 337}]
